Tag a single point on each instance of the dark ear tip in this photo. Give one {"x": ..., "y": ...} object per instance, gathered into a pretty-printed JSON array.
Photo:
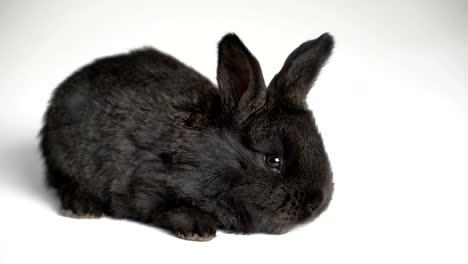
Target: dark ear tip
[
  {"x": 327, "y": 41},
  {"x": 229, "y": 40}
]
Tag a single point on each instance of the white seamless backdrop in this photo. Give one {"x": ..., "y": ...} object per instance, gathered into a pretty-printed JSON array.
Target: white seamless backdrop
[{"x": 391, "y": 105}]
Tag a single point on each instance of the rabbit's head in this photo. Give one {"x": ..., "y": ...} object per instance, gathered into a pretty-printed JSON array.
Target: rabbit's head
[{"x": 287, "y": 179}]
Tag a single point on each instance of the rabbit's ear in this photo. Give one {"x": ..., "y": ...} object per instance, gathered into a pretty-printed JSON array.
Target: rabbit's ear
[
  {"x": 292, "y": 84},
  {"x": 240, "y": 78}
]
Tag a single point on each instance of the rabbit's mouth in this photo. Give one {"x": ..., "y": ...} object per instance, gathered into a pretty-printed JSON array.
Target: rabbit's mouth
[{"x": 299, "y": 208}]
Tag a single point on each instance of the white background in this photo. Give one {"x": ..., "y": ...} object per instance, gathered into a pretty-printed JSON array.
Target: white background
[{"x": 391, "y": 105}]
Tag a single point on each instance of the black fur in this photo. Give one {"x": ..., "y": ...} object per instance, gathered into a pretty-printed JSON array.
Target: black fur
[{"x": 142, "y": 136}]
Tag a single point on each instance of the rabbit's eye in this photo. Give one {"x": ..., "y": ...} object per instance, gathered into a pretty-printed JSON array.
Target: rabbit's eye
[{"x": 273, "y": 161}]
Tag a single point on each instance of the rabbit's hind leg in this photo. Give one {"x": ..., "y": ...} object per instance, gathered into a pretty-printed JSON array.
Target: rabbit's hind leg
[
  {"x": 75, "y": 203},
  {"x": 72, "y": 214}
]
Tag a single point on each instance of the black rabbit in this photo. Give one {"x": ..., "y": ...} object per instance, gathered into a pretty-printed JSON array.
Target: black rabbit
[{"x": 142, "y": 136}]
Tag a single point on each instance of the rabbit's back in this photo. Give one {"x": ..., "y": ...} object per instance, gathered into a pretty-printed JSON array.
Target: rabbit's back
[{"x": 112, "y": 113}]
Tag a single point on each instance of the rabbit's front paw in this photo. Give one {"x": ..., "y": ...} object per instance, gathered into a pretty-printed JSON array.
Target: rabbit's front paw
[
  {"x": 196, "y": 236},
  {"x": 192, "y": 224}
]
